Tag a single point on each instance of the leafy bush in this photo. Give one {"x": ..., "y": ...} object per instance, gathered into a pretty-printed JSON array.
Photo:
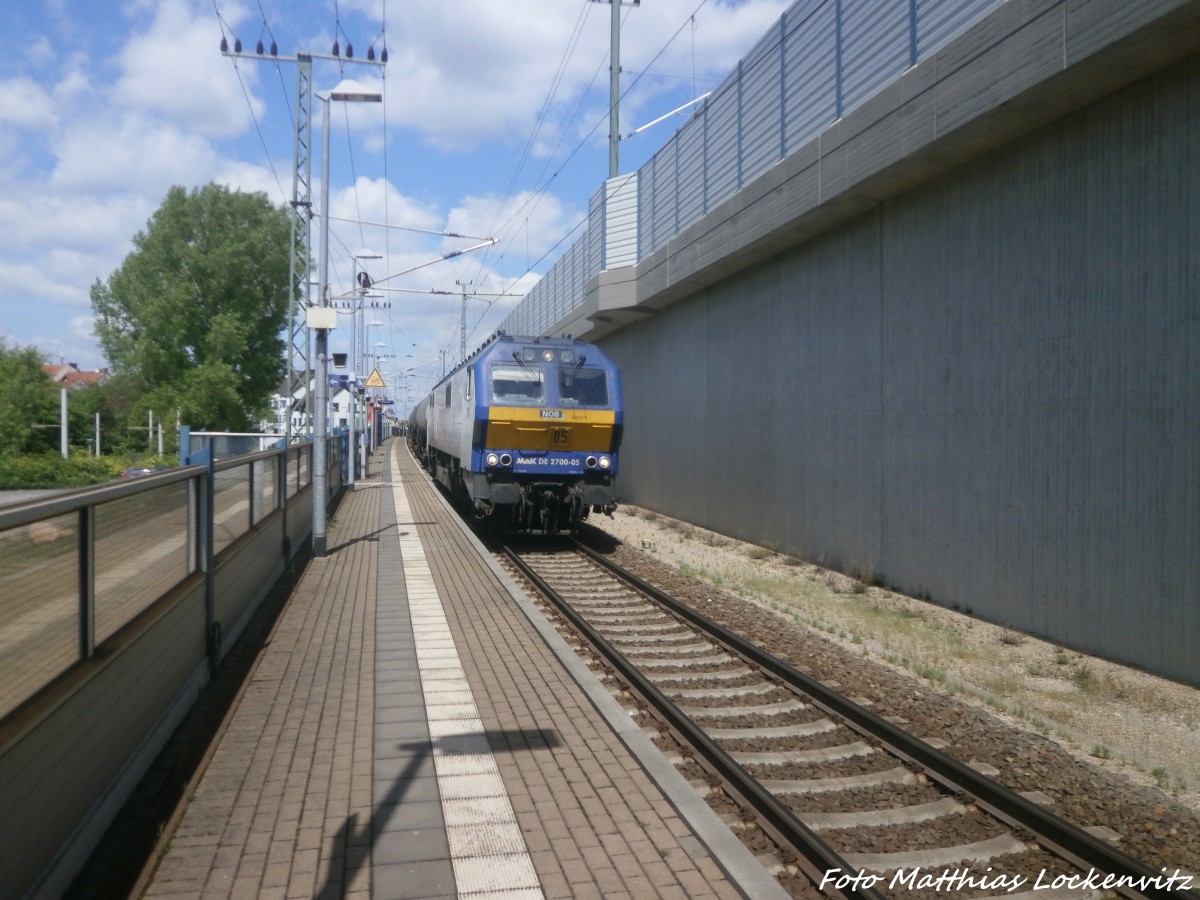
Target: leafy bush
[{"x": 50, "y": 470}]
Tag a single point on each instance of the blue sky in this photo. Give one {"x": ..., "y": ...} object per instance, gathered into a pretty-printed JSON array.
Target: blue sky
[{"x": 494, "y": 124}]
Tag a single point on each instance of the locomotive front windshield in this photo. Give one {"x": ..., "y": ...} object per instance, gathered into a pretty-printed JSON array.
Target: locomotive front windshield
[
  {"x": 582, "y": 387},
  {"x": 525, "y": 385},
  {"x": 517, "y": 385}
]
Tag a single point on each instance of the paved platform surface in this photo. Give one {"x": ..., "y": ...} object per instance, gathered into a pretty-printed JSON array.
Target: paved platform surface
[{"x": 415, "y": 729}]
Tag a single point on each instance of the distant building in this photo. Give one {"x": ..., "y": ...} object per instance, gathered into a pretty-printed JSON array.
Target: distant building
[
  {"x": 298, "y": 406},
  {"x": 282, "y": 404},
  {"x": 69, "y": 375}
]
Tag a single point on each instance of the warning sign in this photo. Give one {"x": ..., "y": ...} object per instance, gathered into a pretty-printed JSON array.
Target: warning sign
[{"x": 374, "y": 380}]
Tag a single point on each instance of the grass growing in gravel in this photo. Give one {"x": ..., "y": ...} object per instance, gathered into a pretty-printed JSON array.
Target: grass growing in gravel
[
  {"x": 1054, "y": 690},
  {"x": 858, "y": 613},
  {"x": 854, "y": 616},
  {"x": 852, "y": 611}
]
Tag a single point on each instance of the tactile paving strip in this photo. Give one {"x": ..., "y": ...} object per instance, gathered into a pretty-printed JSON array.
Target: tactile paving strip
[{"x": 486, "y": 847}]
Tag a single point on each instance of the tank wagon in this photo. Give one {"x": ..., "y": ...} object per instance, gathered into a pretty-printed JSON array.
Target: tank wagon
[{"x": 526, "y": 431}]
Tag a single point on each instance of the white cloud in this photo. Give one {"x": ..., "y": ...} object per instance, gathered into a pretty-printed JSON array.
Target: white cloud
[
  {"x": 114, "y": 106},
  {"x": 57, "y": 245},
  {"x": 74, "y": 91},
  {"x": 132, "y": 153},
  {"x": 26, "y": 104},
  {"x": 175, "y": 70},
  {"x": 43, "y": 221},
  {"x": 41, "y": 52},
  {"x": 253, "y": 178},
  {"x": 356, "y": 226},
  {"x": 528, "y": 225},
  {"x": 373, "y": 200},
  {"x": 41, "y": 280},
  {"x": 82, "y": 327},
  {"x": 32, "y": 287},
  {"x": 464, "y": 83}
]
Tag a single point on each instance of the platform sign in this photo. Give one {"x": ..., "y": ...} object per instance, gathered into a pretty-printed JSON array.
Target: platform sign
[{"x": 374, "y": 380}]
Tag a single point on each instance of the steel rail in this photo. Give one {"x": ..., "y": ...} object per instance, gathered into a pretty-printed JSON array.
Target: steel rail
[
  {"x": 1051, "y": 831},
  {"x": 817, "y": 857}
]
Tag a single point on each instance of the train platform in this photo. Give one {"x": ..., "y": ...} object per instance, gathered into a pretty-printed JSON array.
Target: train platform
[{"x": 416, "y": 729}]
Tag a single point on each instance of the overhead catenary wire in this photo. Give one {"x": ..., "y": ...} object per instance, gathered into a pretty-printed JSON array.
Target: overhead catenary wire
[
  {"x": 513, "y": 221},
  {"x": 274, "y": 48},
  {"x": 265, "y": 31},
  {"x": 429, "y": 231},
  {"x": 509, "y": 221},
  {"x": 596, "y": 126},
  {"x": 535, "y": 197},
  {"x": 547, "y": 103},
  {"x": 224, "y": 26},
  {"x": 546, "y": 178},
  {"x": 543, "y": 113}
]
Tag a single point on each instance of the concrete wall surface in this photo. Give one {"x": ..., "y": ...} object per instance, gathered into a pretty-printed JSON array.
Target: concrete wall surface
[{"x": 984, "y": 389}]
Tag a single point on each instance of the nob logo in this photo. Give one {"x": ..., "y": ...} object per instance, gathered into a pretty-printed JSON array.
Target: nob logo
[{"x": 550, "y": 413}]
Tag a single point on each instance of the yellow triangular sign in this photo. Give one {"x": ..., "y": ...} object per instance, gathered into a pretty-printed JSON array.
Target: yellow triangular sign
[{"x": 374, "y": 381}]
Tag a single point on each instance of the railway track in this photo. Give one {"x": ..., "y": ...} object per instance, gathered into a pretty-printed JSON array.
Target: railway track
[{"x": 857, "y": 804}]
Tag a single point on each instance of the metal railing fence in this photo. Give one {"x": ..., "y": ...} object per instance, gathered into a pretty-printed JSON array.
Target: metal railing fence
[{"x": 78, "y": 567}]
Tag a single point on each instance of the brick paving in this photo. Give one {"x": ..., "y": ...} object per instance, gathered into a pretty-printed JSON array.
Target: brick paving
[
  {"x": 283, "y": 806},
  {"x": 323, "y": 783}
]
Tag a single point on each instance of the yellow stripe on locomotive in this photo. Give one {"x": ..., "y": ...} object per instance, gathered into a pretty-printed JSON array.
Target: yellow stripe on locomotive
[{"x": 525, "y": 428}]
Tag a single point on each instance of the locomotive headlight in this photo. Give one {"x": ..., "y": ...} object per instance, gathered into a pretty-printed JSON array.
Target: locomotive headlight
[
  {"x": 493, "y": 459},
  {"x": 605, "y": 462},
  {"x": 505, "y": 459},
  {"x": 591, "y": 462},
  {"x": 547, "y": 356}
]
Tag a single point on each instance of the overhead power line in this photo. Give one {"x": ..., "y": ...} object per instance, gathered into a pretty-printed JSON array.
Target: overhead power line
[
  {"x": 299, "y": 344},
  {"x": 544, "y": 186},
  {"x": 449, "y": 234}
]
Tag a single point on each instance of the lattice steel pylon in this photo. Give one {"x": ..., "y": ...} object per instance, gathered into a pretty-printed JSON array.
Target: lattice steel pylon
[
  {"x": 299, "y": 343},
  {"x": 300, "y": 340}
]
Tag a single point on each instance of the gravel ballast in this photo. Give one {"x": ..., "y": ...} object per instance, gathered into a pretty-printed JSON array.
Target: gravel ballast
[{"x": 1108, "y": 745}]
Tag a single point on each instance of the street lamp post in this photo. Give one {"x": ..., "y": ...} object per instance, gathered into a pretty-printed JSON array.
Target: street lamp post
[
  {"x": 356, "y": 363},
  {"x": 373, "y": 400},
  {"x": 322, "y": 322}
]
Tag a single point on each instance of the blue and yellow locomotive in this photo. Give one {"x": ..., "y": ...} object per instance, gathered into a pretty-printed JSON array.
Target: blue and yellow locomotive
[{"x": 527, "y": 431}]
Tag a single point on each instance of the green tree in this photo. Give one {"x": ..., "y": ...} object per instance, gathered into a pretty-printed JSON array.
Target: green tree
[
  {"x": 83, "y": 404},
  {"x": 195, "y": 314},
  {"x": 27, "y": 399},
  {"x": 120, "y": 407}
]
